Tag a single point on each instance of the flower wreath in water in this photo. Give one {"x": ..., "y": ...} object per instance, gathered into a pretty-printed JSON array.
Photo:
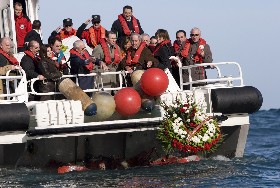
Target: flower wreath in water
[{"x": 188, "y": 128}]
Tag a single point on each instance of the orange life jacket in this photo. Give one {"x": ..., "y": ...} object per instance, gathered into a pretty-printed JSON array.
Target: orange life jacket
[
  {"x": 129, "y": 60},
  {"x": 95, "y": 39},
  {"x": 84, "y": 56},
  {"x": 197, "y": 56},
  {"x": 12, "y": 60},
  {"x": 185, "y": 51},
  {"x": 65, "y": 34},
  {"x": 160, "y": 45},
  {"x": 124, "y": 25},
  {"x": 106, "y": 52}
]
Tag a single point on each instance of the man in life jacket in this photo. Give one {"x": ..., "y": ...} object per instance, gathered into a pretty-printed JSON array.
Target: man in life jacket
[
  {"x": 58, "y": 55},
  {"x": 29, "y": 63},
  {"x": 82, "y": 63},
  {"x": 94, "y": 34},
  {"x": 22, "y": 26},
  {"x": 7, "y": 60},
  {"x": 107, "y": 53},
  {"x": 66, "y": 31},
  {"x": 126, "y": 24},
  {"x": 199, "y": 52},
  {"x": 138, "y": 57}
]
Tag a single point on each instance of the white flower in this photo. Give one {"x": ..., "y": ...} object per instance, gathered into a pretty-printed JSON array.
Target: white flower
[
  {"x": 54, "y": 58},
  {"x": 175, "y": 115},
  {"x": 201, "y": 47}
]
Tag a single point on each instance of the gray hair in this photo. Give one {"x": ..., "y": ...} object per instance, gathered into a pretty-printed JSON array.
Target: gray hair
[
  {"x": 5, "y": 39},
  {"x": 145, "y": 34},
  {"x": 136, "y": 34},
  {"x": 77, "y": 44},
  {"x": 195, "y": 28}
]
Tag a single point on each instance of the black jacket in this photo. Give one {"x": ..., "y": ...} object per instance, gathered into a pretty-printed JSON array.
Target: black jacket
[
  {"x": 163, "y": 54},
  {"x": 33, "y": 35},
  {"x": 30, "y": 67}
]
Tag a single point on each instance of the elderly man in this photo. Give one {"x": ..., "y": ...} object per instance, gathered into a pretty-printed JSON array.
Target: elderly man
[
  {"x": 82, "y": 63},
  {"x": 66, "y": 31},
  {"x": 199, "y": 52},
  {"x": 22, "y": 26},
  {"x": 108, "y": 55},
  {"x": 94, "y": 34},
  {"x": 126, "y": 24}
]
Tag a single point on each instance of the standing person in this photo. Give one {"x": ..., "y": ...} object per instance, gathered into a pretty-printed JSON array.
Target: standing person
[
  {"x": 22, "y": 26},
  {"x": 163, "y": 49},
  {"x": 58, "y": 55},
  {"x": 82, "y": 63},
  {"x": 199, "y": 52},
  {"x": 94, "y": 34},
  {"x": 126, "y": 24},
  {"x": 66, "y": 31},
  {"x": 48, "y": 69},
  {"x": 34, "y": 34},
  {"x": 108, "y": 55}
]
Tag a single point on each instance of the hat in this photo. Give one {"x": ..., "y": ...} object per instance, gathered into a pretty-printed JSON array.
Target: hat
[
  {"x": 67, "y": 21},
  {"x": 95, "y": 18}
]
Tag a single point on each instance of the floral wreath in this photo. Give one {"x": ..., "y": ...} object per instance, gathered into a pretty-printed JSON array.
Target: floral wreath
[{"x": 188, "y": 128}]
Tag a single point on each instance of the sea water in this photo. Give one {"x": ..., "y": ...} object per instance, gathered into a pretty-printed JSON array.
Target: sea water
[{"x": 260, "y": 167}]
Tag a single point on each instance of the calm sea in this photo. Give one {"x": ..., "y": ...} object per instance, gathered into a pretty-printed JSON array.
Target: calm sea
[{"x": 260, "y": 167}]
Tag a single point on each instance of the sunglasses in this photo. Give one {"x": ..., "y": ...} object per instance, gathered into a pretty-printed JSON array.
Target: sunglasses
[
  {"x": 96, "y": 22},
  {"x": 194, "y": 35},
  {"x": 68, "y": 25}
]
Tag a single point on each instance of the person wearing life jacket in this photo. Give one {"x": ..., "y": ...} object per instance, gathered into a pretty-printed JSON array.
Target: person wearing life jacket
[
  {"x": 82, "y": 63},
  {"x": 181, "y": 49},
  {"x": 66, "y": 31},
  {"x": 94, "y": 34},
  {"x": 199, "y": 52},
  {"x": 22, "y": 26},
  {"x": 163, "y": 49},
  {"x": 126, "y": 24},
  {"x": 107, "y": 53},
  {"x": 7, "y": 60},
  {"x": 29, "y": 63},
  {"x": 126, "y": 44},
  {"x": 146, "y": 38},
  {"x": 153, "y": 43},
  {"x": 138, "y": 57},
  {"x": 58, "y": 55}
]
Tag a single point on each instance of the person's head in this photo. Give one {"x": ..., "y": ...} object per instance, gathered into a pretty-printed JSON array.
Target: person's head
[
  {"x": 195, "y": 34},
  {"x": 34, "y": 47},
  {"x": 127, "y": 12},
  {"x": 153, "y": 41},
  {"x": 79, "y": 46},
  {"x": 126, "y": 43},
  {"x": 36, "y": 24},
  {"x": 18, "y": 8},
  {"x": 181, "y": 36},
  {"x": 111, "y": 37},
  {"x": 162, "y": 35},
  {"x": 68, "y": 24},
  {"x": 96, "y": 21},
  {"x": 6, "y": 44},
  {"x": 45, "y": 51},
  {"x": 135, "y": 40},
  {"x": 56, "y": 44},
  {"x": 145, "y": 38}
]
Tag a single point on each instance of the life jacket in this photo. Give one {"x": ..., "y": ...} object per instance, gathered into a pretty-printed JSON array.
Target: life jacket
[
  {"x": 197, "y": 57},
  {"x": 96, "y": 39},
  {"x": 12, "y": 60},
  {"x": 160, "y": 45},
  {"x": 184, "y": 51},
  {"x": 129, "y": 60},
  {"x": 58, "y": 59},
  {"x": 83, "y": 56},
  {"x": 34, "y": 58},
  {"x": 106, "y": 52},
  {"x": 65, "y": 34},
  {"x": 124, "y": 25}
]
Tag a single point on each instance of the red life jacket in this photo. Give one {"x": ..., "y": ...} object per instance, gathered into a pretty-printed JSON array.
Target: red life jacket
[
  {"x": 129, "y": 60},
  {"x": 59, "y": 65},
  {"x": 197, "y": 56},
  {"x": 34, "y": 58},
  {"x": 95, "y": 39},
  {"x": 106, "y": 52},
  {"x": 12, "y": 60},
  {"x": 185, "y": 51},
  {"x": 160, "y": 45},
  {"x": 84, "y": 56},
  {"x": 65, "y": 34},
  {"x": 124, "y": 25}
]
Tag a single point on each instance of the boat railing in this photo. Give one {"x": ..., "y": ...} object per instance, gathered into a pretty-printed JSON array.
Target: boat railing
[{"x": 220, "y": 79}]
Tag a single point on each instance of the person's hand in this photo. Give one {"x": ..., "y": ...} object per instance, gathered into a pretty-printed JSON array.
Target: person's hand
[
  {"x": 58, "y": 29},
  {"x": 91, "y": 59},
  {"x": 129, "y": 69},
  {"x": 177, "y": 60},
  {"x": 88, "y": 21},
  {"x": 212, "y": 66},
  {"x": 149, "y": 64},
  {"x": 103, "y": 66},
  {"x": 18, "y": 67},
  {"x": 41, "y": 77},
  {"x": 202, "y": 53}
]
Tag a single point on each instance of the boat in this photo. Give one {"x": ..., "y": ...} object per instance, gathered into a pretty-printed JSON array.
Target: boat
[{"x": 40, "y": 133}]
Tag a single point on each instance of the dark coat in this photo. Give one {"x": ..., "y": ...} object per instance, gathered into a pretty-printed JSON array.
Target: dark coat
[
  {"x": 30, "y": 67},
  {"x": 163, "y": 55},
  {"x": 33, "y": 35}
]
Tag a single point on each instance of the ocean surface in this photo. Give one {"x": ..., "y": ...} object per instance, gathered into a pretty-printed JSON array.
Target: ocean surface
[{"x": 260, "y": 167}]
